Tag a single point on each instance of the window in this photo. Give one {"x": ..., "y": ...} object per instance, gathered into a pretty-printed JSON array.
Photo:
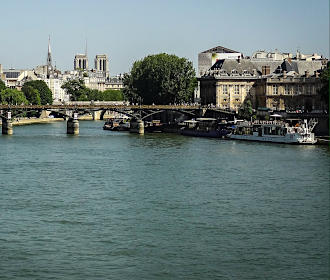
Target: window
[
  {"x": 246, "y": 73},
  {"x": 236, "y": 89},
  {"x": 222, "y": 72},
  {"x": 275, "y": 89},
  {"x": 299, "y": 89},
  {"x": 295, "y": 90},
  {"x": 224, "y": 89},
  {"x": 286, "y": 89}
]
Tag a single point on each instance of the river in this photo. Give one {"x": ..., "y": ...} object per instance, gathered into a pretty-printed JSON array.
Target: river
[{"x": 111, "y": 205}]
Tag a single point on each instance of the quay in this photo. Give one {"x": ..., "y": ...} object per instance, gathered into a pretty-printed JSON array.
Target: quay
[{"x": 138, "y": 114}]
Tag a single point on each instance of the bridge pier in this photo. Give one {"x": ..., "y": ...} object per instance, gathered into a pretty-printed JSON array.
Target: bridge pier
[
  {"x": 137, "y": 126},
  {"x": 96, "y": 115},
  {"x": 72, "y": 125},
  {"x": 7, "y": 125}
]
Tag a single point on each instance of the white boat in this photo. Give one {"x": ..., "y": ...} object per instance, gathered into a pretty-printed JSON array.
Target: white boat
[{"x": 275, "y": 131}]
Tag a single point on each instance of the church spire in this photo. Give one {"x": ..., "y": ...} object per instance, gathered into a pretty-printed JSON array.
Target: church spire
[{"x": 49, "y": 60}]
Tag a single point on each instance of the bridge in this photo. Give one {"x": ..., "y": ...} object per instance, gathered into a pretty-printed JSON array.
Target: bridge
[{"x": 137, "y": 113}]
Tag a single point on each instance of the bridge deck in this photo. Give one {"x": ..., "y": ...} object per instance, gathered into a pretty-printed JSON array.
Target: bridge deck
[{"x": 109, "y": 107}]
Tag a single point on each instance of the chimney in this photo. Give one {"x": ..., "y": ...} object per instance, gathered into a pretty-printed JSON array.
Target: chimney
[
  {"x": 317, "y": 74},
  {"x": 284, "y": 74},
  {"x": 254, "y": 72},
  {"x": 306, "y": 74}
]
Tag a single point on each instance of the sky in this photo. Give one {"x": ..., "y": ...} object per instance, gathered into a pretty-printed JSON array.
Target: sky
[{"x": 129, "y": 30}]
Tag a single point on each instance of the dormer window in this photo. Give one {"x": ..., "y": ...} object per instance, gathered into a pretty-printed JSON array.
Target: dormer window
[
  {"x": 278, "y": 70},
  {"x": 234, "y": 72},
  {"x": 246, "y": 73},
  {"x": 222, "y": 72}
]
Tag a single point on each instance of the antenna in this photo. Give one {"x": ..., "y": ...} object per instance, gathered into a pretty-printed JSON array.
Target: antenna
[{"x": 86, "y": 48}]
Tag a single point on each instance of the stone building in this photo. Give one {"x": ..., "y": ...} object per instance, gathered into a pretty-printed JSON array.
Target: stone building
[
  {"x": 58, "y": 93},
  {"x": 115, "y": 83},
  {"x": 290, "y": 91},
  {"x": 207, "y": 58},
  {"x": 2, "y": 75},
  {"x": 80, "y": 62},
  {"x": 275, "y": 84},
  {"x": 15, "y": 78},
  {"x": 102, "y": 64}
]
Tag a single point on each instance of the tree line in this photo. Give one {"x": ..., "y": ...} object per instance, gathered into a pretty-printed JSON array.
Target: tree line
[
  {"x": 38, "y": 93},
  {"x": 33, "y": 92}
]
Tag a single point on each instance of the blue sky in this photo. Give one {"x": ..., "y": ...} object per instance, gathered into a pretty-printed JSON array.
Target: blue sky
[{"x": 130, "y": 30}]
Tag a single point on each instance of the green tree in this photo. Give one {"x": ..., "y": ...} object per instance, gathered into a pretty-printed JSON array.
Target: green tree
[
  {"x": 93, "y": 94},
  {"x": 160, "y": 79},
  {"x": 46, "y": 96},
  {"x": 246, "y": 110},
  {"x": 76, "y": 89},
  {"x": 111, "y": 95},
  {"x": 12, "y": 96},
  {"x": 32, "y": 95},
  {"x": 2, "y": 85}
]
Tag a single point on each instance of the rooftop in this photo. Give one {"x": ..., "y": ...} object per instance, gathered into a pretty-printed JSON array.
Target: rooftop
[{"x": 220, "y": 49}]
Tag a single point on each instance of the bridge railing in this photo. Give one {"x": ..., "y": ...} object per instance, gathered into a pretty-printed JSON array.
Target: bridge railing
[{"x": 109, "y": 106}]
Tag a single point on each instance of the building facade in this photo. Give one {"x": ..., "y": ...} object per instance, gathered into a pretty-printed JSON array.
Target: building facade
[
  {"x": 290, "y": 93},
  {"x": 102, "y": 64},
  {"x": 276, "y": 84},
  {"x": 207, "y": 58},
  {"x": 55, "y": 85},
  {"x": 80, "y": 62}
]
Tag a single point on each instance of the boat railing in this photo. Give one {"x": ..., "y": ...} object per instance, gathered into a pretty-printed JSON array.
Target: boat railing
[
  {"x": 312, "y": 123},
  {"x": 275, "y": 122}
]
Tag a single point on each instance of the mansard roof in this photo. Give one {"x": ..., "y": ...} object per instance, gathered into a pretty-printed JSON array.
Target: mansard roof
[
  {"x": 229, "y": 65},
  {"x": 244, "y": 67},
  {"x": 310, "y": 66},
  {"x": 289, "y": 66},
  {"x": 220, "y": 49}
]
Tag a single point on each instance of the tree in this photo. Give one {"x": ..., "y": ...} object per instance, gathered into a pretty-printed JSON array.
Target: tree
[
  {"x": 246, "y": 110},
  {"x": 46, "y": 96},
  {"x": 160, "y": 79},
  {"x": 76, "y": 89},
  {"x": 32, "y": 95},
  {"x": 12, "y": 97},
  {"x": 2, "y": 85},
  {"x": 111, "y": 95},
  {"x": 79, "y": 92}
]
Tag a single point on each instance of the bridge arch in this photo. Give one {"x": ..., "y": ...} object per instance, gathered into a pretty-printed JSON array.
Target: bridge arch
[{"x": 117, "y": 111}]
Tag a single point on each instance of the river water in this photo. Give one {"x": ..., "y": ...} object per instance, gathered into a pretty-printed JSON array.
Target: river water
[{"x": 107, "y": 205}]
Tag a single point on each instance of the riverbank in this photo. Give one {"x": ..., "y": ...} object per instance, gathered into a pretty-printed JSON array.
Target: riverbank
[{"x": 27, "y": 121}]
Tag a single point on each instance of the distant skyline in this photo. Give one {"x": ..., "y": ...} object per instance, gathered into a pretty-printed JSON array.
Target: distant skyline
[{"x": 130, "y": 30}]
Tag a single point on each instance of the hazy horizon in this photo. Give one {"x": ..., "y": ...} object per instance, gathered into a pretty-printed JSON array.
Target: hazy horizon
[{"x": 130, "y": 30}]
